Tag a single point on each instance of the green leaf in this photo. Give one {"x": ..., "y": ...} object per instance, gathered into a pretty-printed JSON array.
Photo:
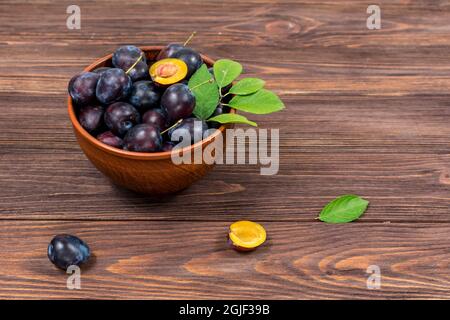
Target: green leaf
[
  {"x": 232, "y": 118},
  {"x": 225, "y": 71},
  {"x": 344, "y": 209},
  {"x": 260, "y": 102},
  {"x": 247, "y": 86},
  {"x": 205, "y": 91}
]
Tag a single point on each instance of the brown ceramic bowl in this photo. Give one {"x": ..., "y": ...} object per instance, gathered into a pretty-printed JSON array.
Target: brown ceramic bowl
[{"x": 150, "y": 173}]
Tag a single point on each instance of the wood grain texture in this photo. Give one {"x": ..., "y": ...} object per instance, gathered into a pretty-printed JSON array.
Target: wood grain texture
[
  {"x": 166, "y": 260},
  {"x": 368, "y": 112}
]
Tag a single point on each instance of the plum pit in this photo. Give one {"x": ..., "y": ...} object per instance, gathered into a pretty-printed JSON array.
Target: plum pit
[{"x": 168, "y": 71}]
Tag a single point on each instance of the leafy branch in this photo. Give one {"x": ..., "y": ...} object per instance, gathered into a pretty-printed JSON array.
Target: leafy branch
[{"x": 249, "y": 94}]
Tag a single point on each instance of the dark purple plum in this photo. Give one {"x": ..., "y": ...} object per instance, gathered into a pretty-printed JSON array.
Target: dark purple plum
[
  {"x": 121, "y": 117},
  {"x": 66, "y": 250},
  {"x": 192, "y": 59},
  {"x": 101, "y": 70},
  {"x": 145, "y": 95},
  {"x": 178, "y": 102},
  {"x": 169, "y": 51},
  {"x": 156, "y": 117},
  {"x": 110, "y": 139},
  {"x": 143, "y": 138},
  {"x": 82, "y": 88},
  {"x": 114, "y": 85},
  {"x": 124, "y": 58},
  {"x": 221, "y": 109},
  {"x": 91, "y": 117},
  {"x": 139, "y": 72},
  {"x": 168, "y": 146},
  {"x": 194, "y": 126}
]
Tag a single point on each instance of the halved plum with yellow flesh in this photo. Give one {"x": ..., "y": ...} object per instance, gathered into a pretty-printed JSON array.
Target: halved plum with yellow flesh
[
  {"x": 168, "y": 71},
  {"x": 246, "y": 235}
]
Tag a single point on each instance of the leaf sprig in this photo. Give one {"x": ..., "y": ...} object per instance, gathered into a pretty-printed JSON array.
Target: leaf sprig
[
  {"x": 249, "y": 93},
  {"x": 206, "y": 93},
  {"x": 344, "y": 209}
]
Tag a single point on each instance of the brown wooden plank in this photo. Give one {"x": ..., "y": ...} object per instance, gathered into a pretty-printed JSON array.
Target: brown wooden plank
[
  {"x": 192, "y": 260},
  {"x": 367, "y": 113},
  {"x": 390, "y": 150},
  {"x": 307, "y": 46},
  {"x": 349, "y": 124},
  {"x": 400, "y": 188}
]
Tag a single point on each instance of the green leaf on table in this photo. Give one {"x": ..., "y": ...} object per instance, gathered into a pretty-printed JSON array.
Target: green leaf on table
[
  {"x": 205, "y": 91},
  {"x": 247, "y": 86},
  {"x": 232, "y": 118},
  {"x": 344, "y": 209},
  {"x": 260, "y": 102},
  {"x": 226, "y": 71}
]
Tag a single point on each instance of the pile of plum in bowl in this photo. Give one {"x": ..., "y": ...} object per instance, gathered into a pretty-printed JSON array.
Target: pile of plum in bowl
[{"x": 126, "y": 108}]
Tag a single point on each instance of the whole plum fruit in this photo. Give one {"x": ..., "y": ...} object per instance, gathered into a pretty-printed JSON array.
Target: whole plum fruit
[
  {"x": 82, "y": 88},
  {"x": 114, "y": 85},
  {"x": 143, "y": 138},
  {"x": 192, "y": 59},
  {"x": 169, "y": 51},
  {"x": 145, "y": 95},
  {"x": 156, "y": 117},
  {"x": 178, "y": 102},
  {"x": 124, "y": 58},
  {"x": 91, "y": 117},
  {"x": 121, "y": 117},
  {"x": 66, "y": 250}
]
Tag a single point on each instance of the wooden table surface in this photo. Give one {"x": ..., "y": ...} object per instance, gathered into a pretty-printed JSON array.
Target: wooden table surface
[{"x": 367, "y": 112}]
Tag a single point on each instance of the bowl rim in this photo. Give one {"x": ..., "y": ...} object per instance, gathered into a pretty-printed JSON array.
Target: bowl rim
[{"x": 131, "y": 154}]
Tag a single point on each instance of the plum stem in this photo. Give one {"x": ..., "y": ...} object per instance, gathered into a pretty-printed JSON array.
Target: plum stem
[
  {"x": 171, "y": 127},
  {"x": 190, "y": 38},
  {"x": 134, "y": 64}
]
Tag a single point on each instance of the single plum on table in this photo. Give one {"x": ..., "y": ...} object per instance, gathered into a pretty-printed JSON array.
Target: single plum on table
[{"x": 66, "y": 250}]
